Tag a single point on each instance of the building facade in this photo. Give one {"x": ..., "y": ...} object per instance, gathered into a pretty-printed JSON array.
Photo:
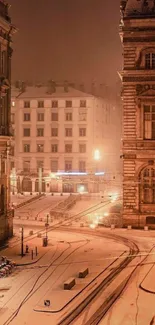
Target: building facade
[
  {"x": 59, "y": 140},
  {"x": 6, "y": 32},
  {"x": 137, "y": 31}
]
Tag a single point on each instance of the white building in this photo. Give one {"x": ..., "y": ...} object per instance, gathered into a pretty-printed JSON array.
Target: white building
[{"x": 59, "y": 140}]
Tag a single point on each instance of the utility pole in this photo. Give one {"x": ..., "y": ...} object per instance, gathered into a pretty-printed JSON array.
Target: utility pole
[
  {"x": 40, "y": 180},
  {"x": 22, "y": 241}
]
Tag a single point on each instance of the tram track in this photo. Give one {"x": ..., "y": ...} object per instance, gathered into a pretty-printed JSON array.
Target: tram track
[
  {"x": 92, "y": 209},
  {"x": 34, "y": 289}
]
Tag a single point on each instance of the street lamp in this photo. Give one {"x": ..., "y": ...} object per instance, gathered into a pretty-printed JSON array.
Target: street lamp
[
  {"x": 97, "y": 155},
  {"x": 46, "y": 225}
]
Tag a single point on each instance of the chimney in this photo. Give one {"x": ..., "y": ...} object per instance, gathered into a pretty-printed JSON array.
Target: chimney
[
  {"x": 82, "y": 87},
  {"x": 51, "y": 87},
  {"x": 66, "y": 86},
  {"x": 23, "y": 86}
]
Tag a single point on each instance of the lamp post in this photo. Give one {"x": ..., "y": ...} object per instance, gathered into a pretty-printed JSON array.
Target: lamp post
[
  {"x": 46, "y": 225},
  {"x": 97, "y": 157},
  {"x": 22, "y": 241}
]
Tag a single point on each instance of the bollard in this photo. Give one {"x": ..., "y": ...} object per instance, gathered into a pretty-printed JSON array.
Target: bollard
[
  {"x": 32, "y": 254},
  {"x": 146, "y": 228},
  {"x": 112, "y": 226},
  {"x": 27, "y": 249},
  {"x": 36, "y": 251},
  {"x": 129, "y": 227}
]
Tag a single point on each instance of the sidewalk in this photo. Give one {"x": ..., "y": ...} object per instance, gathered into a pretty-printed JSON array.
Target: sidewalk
[{"x": 35, "y": 245}]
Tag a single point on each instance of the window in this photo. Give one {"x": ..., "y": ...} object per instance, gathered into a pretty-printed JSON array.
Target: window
[
  {"x": 40, "y": 104},
  {"x": 68, "y": 132},
  {"x": 3, "y": 62},
  {"x": 68, "y": 166},
  {"x": 149, "y": 122},
  {"x": 26, "y": 165},
  {"x": 27, "y": 104},
  {"x": 26, "y": 132},
  {"x": 54, "y": 117},
  {"x": 12, "y": 118},
  {"x": 54, "y": 132},
  {"x": 82, "y": 103},
  {"x": 40, "y": 132},
  {"x": 148, "y": 185},
  {"x": 82, "y": 132},
  {"x": 82, "y": 166},
  {"x": 68, "y": 148},
  {"x": 13, "y": 103},
  {"x": 150, "y": 61},
  {"x": 68, "y": 116},
  {"x": 40, "y": 164},
  {"x": 54, "y": 104},
  {"x": 54, "y": 166},
  {"x": 68, "y": 103},
  {"x": 40, "y": 148},
  {"x": 26, "y": 147},
  {"x": 82, "y": 115},
  {"x": 82, "y": 148},
  {"x": 40, "y": 117},
  {"x": 54, "y": 148},
  {"x": 26, "y": 117}
]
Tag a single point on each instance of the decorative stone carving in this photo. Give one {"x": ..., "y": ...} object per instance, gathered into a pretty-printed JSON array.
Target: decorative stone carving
[{"x": 143, "y": 89}]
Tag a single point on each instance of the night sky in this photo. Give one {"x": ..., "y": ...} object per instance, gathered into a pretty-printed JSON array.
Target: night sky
[{"x": 75, "y": 40}]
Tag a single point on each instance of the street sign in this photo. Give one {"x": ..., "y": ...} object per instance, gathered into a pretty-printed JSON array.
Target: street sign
[{"x": 47, "y": 303}]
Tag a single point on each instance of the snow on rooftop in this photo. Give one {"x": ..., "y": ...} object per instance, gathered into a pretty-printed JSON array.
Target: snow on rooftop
[{"x": 44, "y": 92}]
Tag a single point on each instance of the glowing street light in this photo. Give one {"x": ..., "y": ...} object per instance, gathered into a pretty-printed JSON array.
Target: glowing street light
[{"x": 97, "y": 155}]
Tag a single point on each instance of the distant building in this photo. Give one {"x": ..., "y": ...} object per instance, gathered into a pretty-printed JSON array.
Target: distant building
[
  {"x": 6, "y": 32},
  {"x": 59, "y": 140},
  {"x": 137, "y": 31}
]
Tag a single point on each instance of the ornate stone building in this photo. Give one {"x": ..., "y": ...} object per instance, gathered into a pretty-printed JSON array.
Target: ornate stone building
[
  {"x": 137, "y": 31},
  {"x": 6, "y": 32}
]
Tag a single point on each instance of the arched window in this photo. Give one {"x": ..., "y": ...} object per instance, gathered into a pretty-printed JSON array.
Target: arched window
[
  {"x": 147, "y": 184},
  {"x": 150, "y": 61}
]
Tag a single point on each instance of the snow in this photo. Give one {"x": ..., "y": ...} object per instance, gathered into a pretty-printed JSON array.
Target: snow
[{"x": 134, "y": 7}]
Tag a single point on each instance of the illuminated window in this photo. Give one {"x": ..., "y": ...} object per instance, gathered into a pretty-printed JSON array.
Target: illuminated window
[
  {"x": 26, "y": 147},
  {"x": 40, "y": 132},
  {"x": 68, "y": 132},
  {"x": 68, "y": 148},
  {"x": 82, "y": 132},
  {"x": 27, "y": 104},
  {"x": 40, "y": 104},
  {"x": 54, "y": 148},
  {"x": 150, "y": 61},
  {"x": 40, "y": 117},
  {"x": 54, "y": 132},
  {"x": 13, "y": 104},
  {"x": 148, "y": 185},
  {"x": 27, "y": 117},
  {"x": 40, "y": 148},
  {"x": 149, "y": 122}
]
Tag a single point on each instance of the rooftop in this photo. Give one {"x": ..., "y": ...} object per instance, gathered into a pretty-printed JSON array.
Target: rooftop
[{"x": 45, "y": 92}]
